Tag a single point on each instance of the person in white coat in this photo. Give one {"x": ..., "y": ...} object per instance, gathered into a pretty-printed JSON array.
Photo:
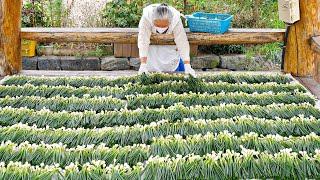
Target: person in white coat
[{"x": 163, "y": 19}]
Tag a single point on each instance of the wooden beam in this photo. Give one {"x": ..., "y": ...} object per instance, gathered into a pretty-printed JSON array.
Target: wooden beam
[
  {"x": 299, "y": 55},
  {"x": 315, "y": 45},
  {"x": 129, "y": 36},
  {"x": 10, "y": 41}
]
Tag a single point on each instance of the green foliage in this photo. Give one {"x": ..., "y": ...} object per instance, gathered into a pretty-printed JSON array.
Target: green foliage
[
  {"x": 156, "y": 100},
  {"x": 190, "y": 99},
  {"x": 158, "y": 126},
  {"x": 42, "y": 13},
  {"x": 119, "y": 13},
  {"x": 164, "y": 87},
  {"x": 71, "y": 104},
  {"x": 90, "y": 119},
  {"x": 247, "y": 164},
  {"x": 98, "y": 52},
  {"x": 269, "y": 51},
  {"x": 154, "y": 78},
  {"x": 162, "y": 146},
  {"x": 223, "y": 49},
  {"x": 125, "y": 135},
  {"x": 33, "y": 14},
  {"x": 54, "y": 12},
  {"x": 203, "y": 144},
  {"x": 49, "y": 154},
  {"x": 269, "y": 15}
]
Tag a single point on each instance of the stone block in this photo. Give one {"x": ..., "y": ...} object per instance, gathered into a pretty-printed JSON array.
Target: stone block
[
  {"x": 134, "y": 63},
  {"x": 111, "y": 63},
  {"x": 30, "y": 63},
  {"x": 49, "y": 63},
  {"x": 205, "y": 62},
  {"x": 91, "y": 64},
  {"x": 71, "y": 63}
]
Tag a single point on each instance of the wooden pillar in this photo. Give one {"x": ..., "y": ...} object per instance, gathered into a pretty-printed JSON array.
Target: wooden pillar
[
  {"x": 10, "y": 39},
  {"x": 315, "y": 45},
  {"x": 300, "y": 58}
]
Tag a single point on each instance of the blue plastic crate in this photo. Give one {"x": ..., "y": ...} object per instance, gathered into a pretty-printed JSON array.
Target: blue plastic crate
[{"x": 209, "y": 22}]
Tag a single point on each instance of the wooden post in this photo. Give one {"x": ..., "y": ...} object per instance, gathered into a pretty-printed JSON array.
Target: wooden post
[
  {"x": 300, "y": 58},
  {"x": 315, "y": 45},
  {"x": 10, "y": 39}
]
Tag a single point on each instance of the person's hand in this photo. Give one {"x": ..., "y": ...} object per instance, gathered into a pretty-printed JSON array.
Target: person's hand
[
  {"x": 189, "y": 70},
  {"x": 143, "y": 69}
]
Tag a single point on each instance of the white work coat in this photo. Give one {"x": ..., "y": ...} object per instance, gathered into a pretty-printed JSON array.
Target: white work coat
[{"x": 162, "y": 58}]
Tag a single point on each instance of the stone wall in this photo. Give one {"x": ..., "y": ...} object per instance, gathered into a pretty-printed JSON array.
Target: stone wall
[{"x": 232, "y": 62}]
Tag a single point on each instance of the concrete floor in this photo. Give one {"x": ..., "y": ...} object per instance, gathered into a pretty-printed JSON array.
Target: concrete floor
[
  {"x": 312, "y": 86},
  {"x": 122, "y": 73}
]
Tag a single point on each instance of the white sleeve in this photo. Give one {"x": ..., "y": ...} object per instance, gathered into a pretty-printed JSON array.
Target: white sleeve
[
  {"x": 144, "y": 37},
  {"x": 181, "y": 40}
]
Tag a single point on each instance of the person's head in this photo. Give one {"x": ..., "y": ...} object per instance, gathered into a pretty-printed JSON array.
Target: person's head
[{"x": 162, "y": 17}]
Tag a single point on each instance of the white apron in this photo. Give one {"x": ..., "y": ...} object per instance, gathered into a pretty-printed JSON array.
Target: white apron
[{"x": 163, "y": 58}]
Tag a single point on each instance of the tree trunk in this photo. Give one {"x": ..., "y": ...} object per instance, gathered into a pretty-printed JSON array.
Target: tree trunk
[
  {"x": 300, "y": 58},
  {"x": 10, "y": 41}
]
